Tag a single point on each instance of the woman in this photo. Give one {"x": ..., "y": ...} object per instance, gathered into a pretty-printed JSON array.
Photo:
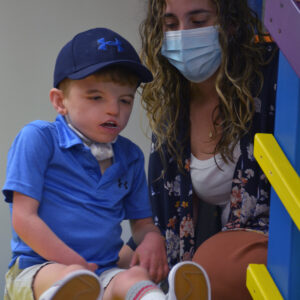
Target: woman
[{"x": 213, "y": 89}]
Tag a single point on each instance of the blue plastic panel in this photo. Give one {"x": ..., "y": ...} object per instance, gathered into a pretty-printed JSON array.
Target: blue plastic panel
[
  {"x": 257, "y": 6},
  {"x": 284, "y": 237}
]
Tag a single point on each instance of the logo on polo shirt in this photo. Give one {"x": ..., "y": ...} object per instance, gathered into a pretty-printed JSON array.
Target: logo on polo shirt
[{"x": 124, "y": 183}]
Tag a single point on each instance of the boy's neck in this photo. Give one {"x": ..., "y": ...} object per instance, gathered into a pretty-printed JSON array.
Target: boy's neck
[
  {"x": 102, "y": 151},
  {"x": 84, "y": 138}
]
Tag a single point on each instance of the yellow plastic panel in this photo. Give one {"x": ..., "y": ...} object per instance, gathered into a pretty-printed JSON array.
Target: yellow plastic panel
[
  {"x": 282, "y": 176},
  {"x": 260, "y": 283}
]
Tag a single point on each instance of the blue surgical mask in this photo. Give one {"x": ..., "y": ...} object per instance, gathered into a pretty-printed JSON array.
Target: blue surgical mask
[{"x": 196, "y": 53}]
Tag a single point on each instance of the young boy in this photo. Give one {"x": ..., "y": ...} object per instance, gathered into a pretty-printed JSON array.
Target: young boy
[{"x": 70, "y": 183}]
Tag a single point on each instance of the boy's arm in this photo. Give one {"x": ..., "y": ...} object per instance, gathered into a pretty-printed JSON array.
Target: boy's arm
[
  {"x": 151, "y": 252},
  {"x": 36, "y": 234}
]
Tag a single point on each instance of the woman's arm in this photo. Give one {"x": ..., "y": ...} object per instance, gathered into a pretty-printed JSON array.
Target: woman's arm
[{"x": 151, "y": 252}]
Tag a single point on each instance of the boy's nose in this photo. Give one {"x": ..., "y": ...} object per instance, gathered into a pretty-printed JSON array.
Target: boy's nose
[{"x": 113, "y": 108}]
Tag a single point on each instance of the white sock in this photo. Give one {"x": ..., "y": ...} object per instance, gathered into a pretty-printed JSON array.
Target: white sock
[
  {"x": 156, "y": 294},
  {"x": 145, "y": 290}
]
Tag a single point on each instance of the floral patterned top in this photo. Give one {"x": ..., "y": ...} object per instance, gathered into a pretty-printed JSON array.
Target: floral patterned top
[{"x": 171, "y": 190}]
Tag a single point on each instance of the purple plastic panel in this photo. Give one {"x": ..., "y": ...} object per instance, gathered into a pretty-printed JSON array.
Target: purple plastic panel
[{"x": 282, "y": 19}]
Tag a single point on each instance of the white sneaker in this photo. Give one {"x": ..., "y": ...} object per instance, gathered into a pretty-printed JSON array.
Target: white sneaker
[
  {"x": 188, "y": 281},
  {"x": 78, "y": 285}
]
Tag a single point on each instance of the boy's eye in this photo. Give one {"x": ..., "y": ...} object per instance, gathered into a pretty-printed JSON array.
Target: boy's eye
[
  {"x": 95, "y": 98},
  {"x": 126, "y": 101}
]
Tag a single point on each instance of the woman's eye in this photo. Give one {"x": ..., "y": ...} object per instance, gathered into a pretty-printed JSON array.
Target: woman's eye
[
  {"x": 170, "y": 23},
  {"x": 170, "y": 26},
  {"x": 199, "y": 22},
  {"x": 201, "y": 19}
]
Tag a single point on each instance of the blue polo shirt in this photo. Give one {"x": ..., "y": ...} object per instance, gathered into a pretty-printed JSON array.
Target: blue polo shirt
[{"x": 50, "y": 163}]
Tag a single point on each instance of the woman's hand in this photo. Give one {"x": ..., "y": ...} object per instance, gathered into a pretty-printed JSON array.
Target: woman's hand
[{"x": 151, "y": 254}]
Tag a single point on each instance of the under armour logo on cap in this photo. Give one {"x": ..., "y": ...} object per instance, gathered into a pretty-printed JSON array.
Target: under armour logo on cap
[
  {"x": 93, "y": 50},
  {"x": 102, "y": 44}
]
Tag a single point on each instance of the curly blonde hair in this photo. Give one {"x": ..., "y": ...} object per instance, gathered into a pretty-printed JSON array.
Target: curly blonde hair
[{"x": 166, "y": 98}]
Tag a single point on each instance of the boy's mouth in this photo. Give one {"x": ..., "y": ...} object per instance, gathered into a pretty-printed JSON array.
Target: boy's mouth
[{"x": 109, "y": 124}]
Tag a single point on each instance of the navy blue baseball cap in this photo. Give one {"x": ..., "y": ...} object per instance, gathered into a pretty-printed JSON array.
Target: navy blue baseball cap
[{"x": 93, "y": 50}]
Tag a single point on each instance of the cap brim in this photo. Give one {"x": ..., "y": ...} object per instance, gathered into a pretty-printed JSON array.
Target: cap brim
[{"x": 142, "y": 72}]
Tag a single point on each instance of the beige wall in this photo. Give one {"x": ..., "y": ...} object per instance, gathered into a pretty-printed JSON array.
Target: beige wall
[{"x": 31, "y": 34}]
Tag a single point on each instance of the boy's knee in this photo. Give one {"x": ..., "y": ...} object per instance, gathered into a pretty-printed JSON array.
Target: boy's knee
[
  {"x": 132, "y": 275},
  {"x": 125, "y": 280},
  {"x": 50, "y": 274},
  {"x": 71, "y": 268},
  {"x": 138, "y": 273}
]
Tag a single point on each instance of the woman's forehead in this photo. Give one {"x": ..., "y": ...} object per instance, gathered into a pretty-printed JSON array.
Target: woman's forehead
[{"x": 185, "y": 5}]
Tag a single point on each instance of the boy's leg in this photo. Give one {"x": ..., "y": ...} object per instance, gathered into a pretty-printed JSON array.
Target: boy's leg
[
  {"x": 187, "y": 281},
  {"x": 18, "y": 282},
  {"x": 133, "y": 283},
  {"x": 56, "y": 281}
]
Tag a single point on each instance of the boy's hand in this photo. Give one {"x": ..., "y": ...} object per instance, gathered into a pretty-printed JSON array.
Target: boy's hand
[
  {"x": 151, "y": 255},
  {"x": 92, "y": 267}
]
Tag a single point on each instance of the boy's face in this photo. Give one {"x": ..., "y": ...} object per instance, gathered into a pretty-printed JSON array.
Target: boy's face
[{"x": 99, "y": 109}]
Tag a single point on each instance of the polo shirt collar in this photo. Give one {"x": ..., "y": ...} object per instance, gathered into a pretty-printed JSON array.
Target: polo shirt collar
[{"x": 67, "y": 138}]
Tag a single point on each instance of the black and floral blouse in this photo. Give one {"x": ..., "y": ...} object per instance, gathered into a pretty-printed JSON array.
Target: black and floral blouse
[{"x": 171, "y": 191}]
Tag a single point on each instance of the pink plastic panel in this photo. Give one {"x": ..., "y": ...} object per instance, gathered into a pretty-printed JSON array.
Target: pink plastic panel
[{"x": 282, "y": 19}]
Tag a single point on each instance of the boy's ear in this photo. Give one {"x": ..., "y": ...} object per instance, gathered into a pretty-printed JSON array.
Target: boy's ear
[{"x": 57, "y": 100}]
